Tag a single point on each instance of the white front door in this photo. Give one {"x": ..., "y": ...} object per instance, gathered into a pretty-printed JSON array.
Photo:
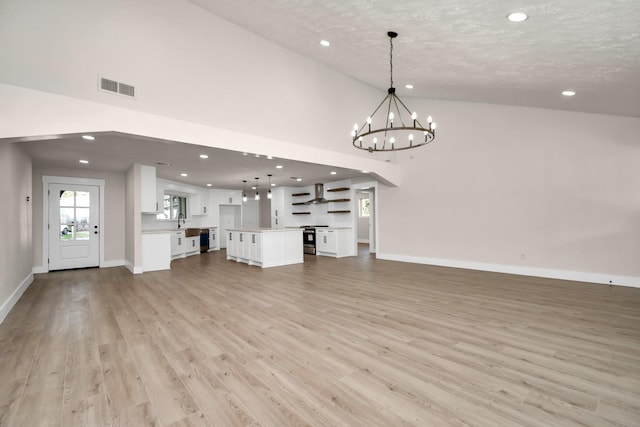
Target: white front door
[{"x": 74, "y": 233}]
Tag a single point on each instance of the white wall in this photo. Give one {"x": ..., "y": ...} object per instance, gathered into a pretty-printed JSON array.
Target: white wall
[
  {"x": 183, "y": 62},
  {"x": 520, "y": 189},
  {"x": 16, "y": 220},
  {"x": 114, "y": 221}
]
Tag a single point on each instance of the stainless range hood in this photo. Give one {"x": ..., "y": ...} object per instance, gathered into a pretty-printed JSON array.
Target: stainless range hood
[{"x": 319, "y": 196}]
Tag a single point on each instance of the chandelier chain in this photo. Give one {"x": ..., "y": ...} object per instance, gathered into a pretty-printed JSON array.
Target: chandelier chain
[{"x": 391, "y": 61}]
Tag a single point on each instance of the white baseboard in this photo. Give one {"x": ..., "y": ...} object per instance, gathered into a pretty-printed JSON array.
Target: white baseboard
[
  {"x": 579, "y": 276},
  {"x": 13, "y": 299},
  {"x": 363, "y": 241},
  {"x": 112, "y": 263},
  {"x": 132, "y": 269},
  {"x": 39, "y": 270}
]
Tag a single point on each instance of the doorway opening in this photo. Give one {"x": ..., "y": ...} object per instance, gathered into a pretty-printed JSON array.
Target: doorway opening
[{"x": 366, "y": 218}]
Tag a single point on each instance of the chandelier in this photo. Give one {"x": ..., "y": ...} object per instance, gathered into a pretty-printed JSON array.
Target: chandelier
[{"x": 401, "y": 128}]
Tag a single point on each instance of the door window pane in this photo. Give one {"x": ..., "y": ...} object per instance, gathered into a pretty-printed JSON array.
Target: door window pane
[
  {"x": 67, "y": 216},
  {"x": 75, "y": 215},
  {"x": 66, "y": 232},
  {"x": 67, "y": 198},
  {"x": 83, "y": 199}
]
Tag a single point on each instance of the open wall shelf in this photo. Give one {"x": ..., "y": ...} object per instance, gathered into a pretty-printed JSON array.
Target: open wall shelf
[
  {"x": 300, "y": 194},
  {"x": 333, "y": 190},
  {"x": 301, "y": 213},
  {"x": 339, "y": 212}
]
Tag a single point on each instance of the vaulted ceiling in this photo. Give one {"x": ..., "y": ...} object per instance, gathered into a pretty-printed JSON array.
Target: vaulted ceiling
[{"x": 466, "y": 49}]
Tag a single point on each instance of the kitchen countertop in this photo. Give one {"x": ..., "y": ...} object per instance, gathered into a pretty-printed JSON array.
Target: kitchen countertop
[
  {"x": 171, "y": 230},
  {"x": 264, "y": 229}
]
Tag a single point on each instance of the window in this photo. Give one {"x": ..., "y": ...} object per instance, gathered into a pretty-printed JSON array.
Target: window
[
  {"x": 74, "y": 215},
  {"x": 363, "y": 210},
  {"x": 173, "y": 207}
]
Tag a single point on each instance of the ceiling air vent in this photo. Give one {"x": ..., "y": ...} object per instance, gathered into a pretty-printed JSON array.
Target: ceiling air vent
[{"x": 117, "y": 87}]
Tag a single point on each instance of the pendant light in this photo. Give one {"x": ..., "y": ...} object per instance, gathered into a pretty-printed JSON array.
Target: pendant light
[
  {"x": 269, "y": 195},
  {"x": 244, "y": 193},
  {"x": 399, "y": 127},
  {"x": 257, "y": 194}
]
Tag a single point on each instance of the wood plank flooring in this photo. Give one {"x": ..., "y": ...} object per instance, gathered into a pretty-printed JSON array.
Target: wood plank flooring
[{"x": 332, "y": 342}]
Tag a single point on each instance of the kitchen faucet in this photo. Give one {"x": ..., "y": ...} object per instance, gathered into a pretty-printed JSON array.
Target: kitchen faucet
[{"x": 180, "y": 216}]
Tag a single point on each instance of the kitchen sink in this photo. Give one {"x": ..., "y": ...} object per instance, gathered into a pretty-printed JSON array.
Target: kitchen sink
[{"x": 191, "y": 232}]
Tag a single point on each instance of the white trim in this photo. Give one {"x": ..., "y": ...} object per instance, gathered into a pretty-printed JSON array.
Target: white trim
[
  {"x": 46, "y": 180},
  {"x": 13, "y": 299},
  {"x": 39, "y": 270},
  {"x": 132, "y": 269},
  {"x": 580, "y": 276},
  {"x": 363, "y": 241},
  {"x": 112, "y": 263}
]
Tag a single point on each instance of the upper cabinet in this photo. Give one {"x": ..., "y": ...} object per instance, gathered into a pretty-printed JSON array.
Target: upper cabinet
[
  {"x": 149, "y": 193},
  {"x": 198, "y": 202}
]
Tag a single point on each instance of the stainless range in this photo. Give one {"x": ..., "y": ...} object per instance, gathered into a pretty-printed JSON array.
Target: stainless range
[{"x": 309, "y": 238}]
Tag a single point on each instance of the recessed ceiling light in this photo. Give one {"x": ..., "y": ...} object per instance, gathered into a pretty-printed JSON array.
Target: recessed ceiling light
[
  {"x": 204, "y": 156},
  {"x": 568, "y": 92},
  {"x": 88, "y": 137},
  {"x": 517, "y": 17},
  {"x": 325, "y": 43},
  {"x": 245, "y": 154},
  {"x": 84, "y": 161},
  {"x": 364, "y": 171},
  {"x": 333, "y": 172},
  {"x": 273, "y": 184},
  {"x": 298, "y": 179},
  {"x": 409, "y": 86},
  {"x": 163, "y": 164},
  {"x": 183, "y": 174},
  {"x": 279, "y": 167},
  {"x": 209, "y": 185},
  {"x": 257, "y": 155},
  {"x": 269, "y": 157}
]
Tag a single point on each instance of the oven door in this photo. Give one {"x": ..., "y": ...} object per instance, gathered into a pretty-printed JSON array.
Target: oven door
[{"x": 309, "y": 241}]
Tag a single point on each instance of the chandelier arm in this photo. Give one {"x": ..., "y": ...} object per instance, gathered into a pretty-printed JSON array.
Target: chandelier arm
[
  {"x": 374, "y": 112},
  {"x": 395, "y": 102},
  {"x": 409, "y": 111},
  {"x": 388, "y": 123}
]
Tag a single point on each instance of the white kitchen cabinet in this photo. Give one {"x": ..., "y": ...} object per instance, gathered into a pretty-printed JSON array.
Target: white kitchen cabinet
[
  {"x": 178, "y": 244},
  {"x": 192, "y": 245},
  {"x": 255, "y": 247},
  {"x": 213, "y": 239},
  {"x": 198, "y": 203},
  {"x": 334, "y": 242},
  {"x": 232, "y": 238},
  {"x": 149, "y": 202},
  {"x": 265, "y": 247},
  {"x": 156, "y": 251},
  {"x": 226, "y": 197}
]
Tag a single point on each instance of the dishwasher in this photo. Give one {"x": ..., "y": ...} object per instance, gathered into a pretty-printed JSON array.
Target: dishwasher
[{"x": 204, "y": 240}]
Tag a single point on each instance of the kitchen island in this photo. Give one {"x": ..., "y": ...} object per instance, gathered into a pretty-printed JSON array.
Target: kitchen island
[{"x": 265, "y": 247}]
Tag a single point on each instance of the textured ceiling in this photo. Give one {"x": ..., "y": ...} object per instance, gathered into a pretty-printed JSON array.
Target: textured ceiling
[{"x": 466, "y": 49}]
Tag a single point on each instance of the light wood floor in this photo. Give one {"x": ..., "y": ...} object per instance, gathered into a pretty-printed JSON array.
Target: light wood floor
[{"x": 348, "y": 342}]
